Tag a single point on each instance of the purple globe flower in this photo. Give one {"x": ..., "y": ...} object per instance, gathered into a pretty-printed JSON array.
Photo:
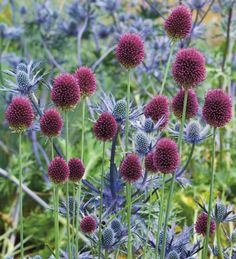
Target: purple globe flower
[
  {"x": 76, "y": 168},
  {"x": 178, "y": 104},
  {"x": 189, "y": 68},
  {"x": 217, "y": 109},
  {"x": 130, "y": 50},
  {"x": 149, "y": 163},
  {"x": 88, "y": 224},
  {"x": 178, "y": 24},
  {"x": 201, "y": 224},
  {"x": 58, "y": 170}
]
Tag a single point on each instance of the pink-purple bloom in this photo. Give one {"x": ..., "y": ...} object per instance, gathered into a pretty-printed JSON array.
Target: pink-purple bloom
[
  {"x": 88, "y": 224},
  {"x": 76, "y": 168},
  {"x": 201, "y": 224},
  {"x": 58, "y": 170}
]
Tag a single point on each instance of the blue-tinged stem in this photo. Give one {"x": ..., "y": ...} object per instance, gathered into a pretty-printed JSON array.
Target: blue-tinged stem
[
  {"x": 211, "y": 193},
  {"x": 169, "y": 200},
  {"x": 67, "y": 188},
  {"x": 21, "y": 199},
  {"x": 101, "y": 204}
]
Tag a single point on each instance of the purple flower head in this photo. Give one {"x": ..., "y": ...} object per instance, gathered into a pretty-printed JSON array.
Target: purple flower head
[
  {"x": 130, "y": 50},
  {"x": 178, "y": 24},
  {"x": 76, "y": 168},
  {"x": 178, "y": 104},
  {"x": 189, "y": 68},
  {"x": 58, "y": 170},
  {"x": 217, "y": 109},
  {"x": 19, "y": 114},
  {"x": 201, "y": 224},
  {"x": 149, "y": 163},
  {"x": 88, "y": 225}
]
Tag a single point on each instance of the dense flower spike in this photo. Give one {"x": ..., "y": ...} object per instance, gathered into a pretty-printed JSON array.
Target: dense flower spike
[
  {"x": 65, "y": 91},
  {"x": 105, "y": 127},
  {"x": 142, "y": 143},
  {"x": 189, "y": 68},
  {"x": 20, "y": 114},
  {"x": 21, "y": 67},
  {"x": 157, "y": 108},
  {"x": 108, "y": 238},
  {"x": 58, "y": 170},
  {"x": 119, "y": 111},
  {"x": 217, "y": 109},
  {"x": 87, "y": 81},
  {"x": 88, "y": 225},
  {"x": 193, "y": 132},
  {"x": 178, "y": 24},
  {"x": 130, "y": 168},
  {"x": 220, "y": 212},
  {"x": 149, "y": 163},
  {"x": 116, "y": 226},
  {"x": 22, "y": 79},
  {"x": 173, "y": 255},
  {"x": 51, "y": 123},
  {"x": 148, "y": 125},
  {"x": 166, "y": 156},
  {"x": 178, "y": 104},
  {"x": 130, "y": 50},
  {"x": 201, "y": 224},
  {"x": 76, "y": 168}
]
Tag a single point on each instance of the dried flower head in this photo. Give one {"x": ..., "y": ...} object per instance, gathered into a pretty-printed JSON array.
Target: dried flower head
[
  {"x": 189, "y": 68},
  {"x": 51, "y": 123},
  {"x": 158, "y": 108},
  {"x": 201, "y": 224},
  {"x": 65, "y": 91},
  {"x": 20, "y": 114},
  {"x": 86, "y": 80},
  {"x": 58, "y": 170},
  {"x": 88, "y": 225},
  {"x": 105, "y": 127},
  {"x": 130, "y": 50},
  {"x": 76, "y": 168},
  {"x": 178, "y": 24},
  {"x": 178, "y": 104},
  {"x": 217, "y": 109},
  {"x": 166, "y": 156},
  {"x": 130, "y": 168}
]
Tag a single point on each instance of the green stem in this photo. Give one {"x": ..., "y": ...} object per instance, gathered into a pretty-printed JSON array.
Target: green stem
[
  {"x": 149, "y": 218},
  {"x": 211, "y": 192},
  {"x": 78, "y": 190},
  {"x": 73, "y": 215},
  {"x": 167, "y": 67},
  {"x": 21, "y": 200},
  {"x": 106, "y": 254},
  {"x": 67, "y": 188},
  {"x": 161, "y": 212},
  {"x": 101, "y": 198},
  {"x": 218, "y": 240},
  {"x": 56, "y": 221},
  {"x": 163, "y": 248},
  {"x": 128, "y": 186}
]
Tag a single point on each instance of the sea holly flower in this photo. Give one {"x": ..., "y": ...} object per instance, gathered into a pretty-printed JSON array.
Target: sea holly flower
[
  {"x": 108, "y": 238},
  {"x": 148, "y": 125},
  {"x": 142, "y": 143},
  {"x": 178, "y": 24},
  {"x": 189, "y": 68}
]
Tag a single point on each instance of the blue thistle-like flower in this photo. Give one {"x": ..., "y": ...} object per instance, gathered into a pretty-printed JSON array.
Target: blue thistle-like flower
[
  {"x": 116, "y": 226},
  {"x": 233, "y": 236},
  {"x": 107, "y": 238},
  {"x": 220, "y": 212},
  {"x": 119, "y": 111},
  {"x": 215, "y": 251},
  {"x": 173, "y": 255},
  {"x": 148, "y": 125},
  {"x": 21, "y": 67},
  {"x": 22, "y": 80},
  {"x": 142, "y": 143}
]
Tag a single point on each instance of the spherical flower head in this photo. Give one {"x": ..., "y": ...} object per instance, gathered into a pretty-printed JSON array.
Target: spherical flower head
[
  {"x": 157, "y": 108},
  {"x": 148, "y": 125},
  {"x": 130, "y": 168},
  {"x": 86, "y": 80},
  {"x": 116, "y": 226},
  {"x": 142, "y": 143},
  {"x": 108, "y": 238},
  {"x": 217, "y": 109},
  {"x": 51, "y": 123},
  {"x": 201, "y": 224},
  {"x": 20, "y": 114},
  {"x": 173, "y": 255},
  {"x": 130, "y": 50},
  {"x": 119, "y": 111},
  {"x": 58, "y": 170},
  {"x": 88, "y": 225},
  {"x": 21, "y": 67},
  {"x": 193, "y": 132},
  {"x": 189, "y": 68},
  {"x": 178, "y": 24},
  {"x": 149, "y": 163},
  {"x": 105, "y": 127},
  {"x": 178, "y": 104},
  {"x": 76, "y": 168},
  {"x": 65, "y": 91},
  {"x": 166, "y": 156}
]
